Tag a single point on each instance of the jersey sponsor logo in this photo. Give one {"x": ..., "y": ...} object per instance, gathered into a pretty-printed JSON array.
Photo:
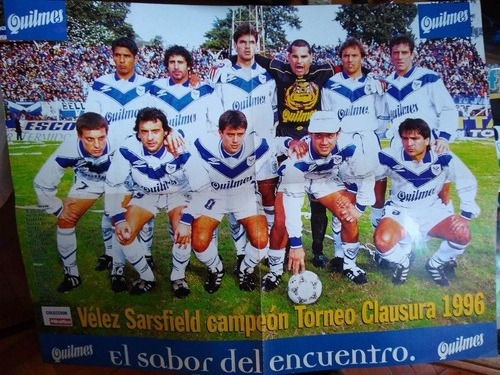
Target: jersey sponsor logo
[
  {"x": 180, "y": 119},
  {"x": 230, "y": 184},
  {"x": 159, "y": 187},
  {"x": 415, "y": 195},
  {"x": 403, "y": 110},
  {"x": 300, "y": 116},
  {"x": 249, "y": 101},
  {"x": 122, "y": 114},
  {"x": 352, "y": 111}
]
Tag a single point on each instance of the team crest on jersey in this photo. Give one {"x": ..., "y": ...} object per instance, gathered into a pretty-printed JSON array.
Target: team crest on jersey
[
  {"x": 251, "y": 160},
  {"x": 337, "y": 159},
  {"x": 195, "y": 94},
  {"x": 436, "y": 169},
  {"x": 367, "y": 90},
  {"x": 262, "y": 78},
  {"x": 415, "y": 85},
  {"x": 170, "y": 168},
  {"x": 140, "y": 90}
]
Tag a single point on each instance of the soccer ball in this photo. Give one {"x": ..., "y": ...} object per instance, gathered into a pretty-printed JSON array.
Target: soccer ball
[{"x": 304, "y": 288}]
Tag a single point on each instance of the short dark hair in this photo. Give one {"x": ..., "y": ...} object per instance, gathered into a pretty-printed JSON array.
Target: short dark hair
[
  {"x": 126, "y": 43},
  {"x": 181, "y": 51},
  {"x": 233, "y": 119},
  {"x": 352, "y": 42},
  {"x": 151, "y": 114},
  {"x": 415, "y": 125},
  {"x": 299, "y": 43},
  {"x": 245, "y": 29},
  {"x": 90, "y": 121},
  {"x": 402, "y": 39}
]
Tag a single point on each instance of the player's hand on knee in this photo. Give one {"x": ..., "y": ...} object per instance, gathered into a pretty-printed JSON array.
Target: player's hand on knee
[
  {"x": 68, "y": 213},
  {"x": 459, "y": 225},
  {"x": 349, "y": 213},
  {"x": 296, "y": 260},
  {"x": 182, "y": 235},
  {"x": 123, "y": 233}
]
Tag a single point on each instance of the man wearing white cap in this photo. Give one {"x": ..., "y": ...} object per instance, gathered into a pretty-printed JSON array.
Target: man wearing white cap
[{"x": 318, "y": 174}]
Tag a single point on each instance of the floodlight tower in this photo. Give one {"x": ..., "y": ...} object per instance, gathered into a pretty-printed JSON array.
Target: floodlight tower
[{"x": 255, "y": 18}]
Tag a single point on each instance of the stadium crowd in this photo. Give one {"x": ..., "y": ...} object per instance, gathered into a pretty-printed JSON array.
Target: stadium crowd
[{"x": 62, "y": 71}]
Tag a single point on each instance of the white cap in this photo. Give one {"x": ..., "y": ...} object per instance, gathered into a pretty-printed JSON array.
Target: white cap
[{"x": 324, "y": 122}]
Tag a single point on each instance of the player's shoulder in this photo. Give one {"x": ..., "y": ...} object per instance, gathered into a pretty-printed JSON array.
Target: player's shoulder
[{"x": 162, "y": 83}]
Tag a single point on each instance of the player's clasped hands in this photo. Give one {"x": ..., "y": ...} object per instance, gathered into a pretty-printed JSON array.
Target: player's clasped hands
[
  {"x": 123, "y": 232},
  {"x": 298, "y": 147}
]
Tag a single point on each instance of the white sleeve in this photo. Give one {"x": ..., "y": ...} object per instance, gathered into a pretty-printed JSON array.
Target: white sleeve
[
  {"x": 466, "y": 186},
  {"x": 446, "y": 110},
  {"x": 115, "y": 188},
  {"x": 47, "y": 180}
]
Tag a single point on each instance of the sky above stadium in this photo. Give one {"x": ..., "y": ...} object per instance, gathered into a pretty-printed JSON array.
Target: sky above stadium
[{"x": 186, "y": 25}]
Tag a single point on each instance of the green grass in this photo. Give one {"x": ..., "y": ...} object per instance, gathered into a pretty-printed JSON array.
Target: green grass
[{"x": 475, "y": 274}]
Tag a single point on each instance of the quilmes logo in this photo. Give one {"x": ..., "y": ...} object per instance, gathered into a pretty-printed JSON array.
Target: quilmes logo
[
  {"x": 444, "y": 20},
  {"x": 35, "y": 20}
]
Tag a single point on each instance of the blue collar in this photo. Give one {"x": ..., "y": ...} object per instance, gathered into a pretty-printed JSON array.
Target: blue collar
[{"x": 131, "y": 79}]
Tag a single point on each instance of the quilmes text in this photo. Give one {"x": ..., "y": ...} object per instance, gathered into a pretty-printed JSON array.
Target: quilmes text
[
  {"x": 442, "y": 20},
  {"x": 34, "y": 18}
]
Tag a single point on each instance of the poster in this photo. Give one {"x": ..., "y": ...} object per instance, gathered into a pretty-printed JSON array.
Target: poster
[{"x": 46, "y": 83}]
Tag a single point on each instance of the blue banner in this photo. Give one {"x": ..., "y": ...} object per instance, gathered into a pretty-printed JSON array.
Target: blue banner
[
  {"x": 448, "y": 20},
  {"x": 35, "y": 19},
  {"x": 279, "y": 356}
]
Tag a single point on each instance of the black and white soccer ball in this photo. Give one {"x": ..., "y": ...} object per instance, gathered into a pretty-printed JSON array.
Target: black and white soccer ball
[{"x": 304, "y": 288}]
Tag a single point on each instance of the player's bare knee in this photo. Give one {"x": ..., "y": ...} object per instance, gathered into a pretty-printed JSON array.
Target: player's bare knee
[
  {"x": 200, "y": 242},
  {"x": 384, "y": 241},
  {"x": 259, "y": 240},
  {"x": 462, "y": 238},
  {"x": 66, "y": 224}
]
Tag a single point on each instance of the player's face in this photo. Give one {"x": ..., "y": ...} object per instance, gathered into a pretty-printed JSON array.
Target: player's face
[
  {"x": 323, "y": 143},
  {"x": 151, "y": 134},
  {"x": 414, "y": 144},
  {"x": 300, "y": 60},
  {"x": 351, "y": 61},
  {"x": 401, "y": 58},
  {"x": 178, "y": 68},
  {"x": 124, "y": 62},
  {"x": 245, "y": 49},
  {"x": 94, "y": 141},
  {"x": 232, "y": 138}
]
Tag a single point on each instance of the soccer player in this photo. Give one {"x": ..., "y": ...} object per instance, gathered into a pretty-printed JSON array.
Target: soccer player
[
  {"x": 248, "y": 87},
  {"x": 118, "y": 97},
  {"x": 229, "y": 163},
  {"x": 350, "y": 95},
  {"x": 415, "y": 211},
  {"x": 192, "y": 110},
  {"x": 299, "y": 85},
  {"x": 88, "y": 155},
  {"x": 159, "y": 183},
  {"x": 418, "y": 92},
  {"x": 318, "y": 174}
]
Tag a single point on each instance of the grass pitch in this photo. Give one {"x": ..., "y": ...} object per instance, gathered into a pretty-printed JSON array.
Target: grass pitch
[{"x": 233, "y": 314}]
